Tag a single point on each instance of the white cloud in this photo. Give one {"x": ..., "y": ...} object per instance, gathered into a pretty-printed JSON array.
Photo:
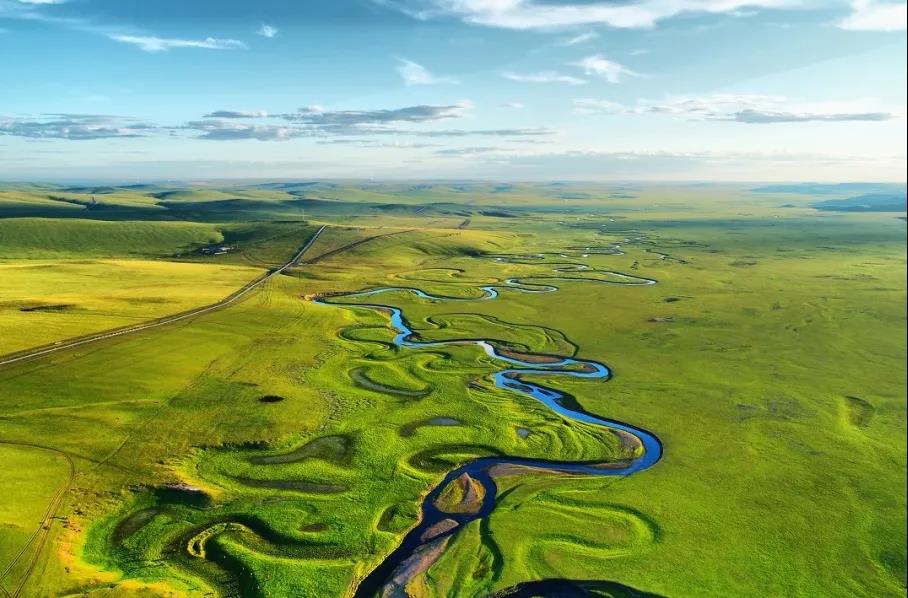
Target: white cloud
[
  {"x": 423, "y": 113},
  {"x": 872, "y": 15},
  {"x": 580, "y": 38},
  {"x": 468, "y": 151},
  {"x": 544, "y": 77},
  {"x": 149, "y": 43},
  {"x": 416, "y": 74},
  {"x": 79, "y": 127},
  {"x": 600, "y": 66},
  {"x": 757, "y": 109},
  {"x": 36, "y": 10},
  {"x": 514, "y": 133},
  {"x": 268, "y": 31},
  {"x": 709, "y": 107},
  {"x": 221, "y": 130},
  {"x": 533, "y": 14},
  {"x": 313, "y": 122},
  {"x": 237, "y": 114},
  {"x": 591, "y": 106},
  {"x": 752, "y": 116},
  {"x": 745, "y": 108},
  {"x": 515, "y": 105}
]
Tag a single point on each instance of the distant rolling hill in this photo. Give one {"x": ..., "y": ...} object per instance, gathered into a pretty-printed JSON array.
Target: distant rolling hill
[
  {"x": 832, "y": 188},
  {"x": 869, "y": 202}
]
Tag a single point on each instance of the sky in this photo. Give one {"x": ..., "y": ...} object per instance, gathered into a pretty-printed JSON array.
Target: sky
[{"x": 673, "y": 90}]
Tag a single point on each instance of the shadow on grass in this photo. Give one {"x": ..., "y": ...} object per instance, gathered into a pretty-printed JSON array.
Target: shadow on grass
[{"x": 570, "y": 588}]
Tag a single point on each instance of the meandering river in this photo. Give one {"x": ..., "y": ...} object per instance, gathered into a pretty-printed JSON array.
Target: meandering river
[{"x": 424, "y": 543}]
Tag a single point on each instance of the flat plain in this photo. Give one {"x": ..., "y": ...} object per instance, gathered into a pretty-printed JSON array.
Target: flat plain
[{"x": 285, "y": 444}]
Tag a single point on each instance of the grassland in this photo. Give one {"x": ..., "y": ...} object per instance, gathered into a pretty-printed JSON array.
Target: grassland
[
  {"x": 46, "y": 301},
  {"x": 281, "y": 446},
  {"x": 66, "y": 278}
]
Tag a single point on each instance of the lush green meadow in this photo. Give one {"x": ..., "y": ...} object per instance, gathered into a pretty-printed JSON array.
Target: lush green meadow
[{"x": 282, "y": 446}]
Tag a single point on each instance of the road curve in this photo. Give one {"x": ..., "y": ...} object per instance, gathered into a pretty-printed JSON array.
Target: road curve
[{"x": 228, "y": 300}]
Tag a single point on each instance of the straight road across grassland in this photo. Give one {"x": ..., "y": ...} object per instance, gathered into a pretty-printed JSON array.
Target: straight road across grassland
[{"x": 228, "y": 300}]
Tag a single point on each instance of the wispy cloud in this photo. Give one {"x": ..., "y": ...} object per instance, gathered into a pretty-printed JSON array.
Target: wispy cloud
[
  {"x": 873, "y": 15},
  {"x": 598, "y": 65},
  {"x": 321, "y": 123},
  {"x": 580, "y": 38},
  {"x": 416, "y": 74},
  {"x": 39, "y": 11},
  {"x": 405, "y": 145},
  {"x": 533, "y": 14},
  {"x": 752, "y": 116},
  {"x": 150, "y": 43},
  {"x": 514, "y": 105},
  {"x": 467, "y": 151},
  {"x": 44, "y": 11},
  {"x": 317, "y": 123},
  {"x": 268, "y": 31},
  {"x": 236, "y": 114},
  {"x": 529, "y": 132},
  {"x": 78, "y": 127},
  {"x": 709, "y": 107},
  {"x": 222, "y": 130},
  {"x": 593, "y": 106},
  {"x": 316, "y": 115},
  {"x": 744, "y": 108},
  {"x": 544, "y": 77}
]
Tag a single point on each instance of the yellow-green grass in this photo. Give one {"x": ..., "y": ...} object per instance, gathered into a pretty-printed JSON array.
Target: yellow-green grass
[
  {"x": 344, "y": 239},
  {"x": 33, "y": 414},
  {"x": 774, "y": 376},
  {"x": 45, "y": 238},
  {"x": 779, "y": 426},
  {"x": 262, "y": 244},
  {"x": 748, "y": 388},
  {"x": 44, "y": 301},
  {"x": 331, "y": 491},
  {"x": 33, "y": 479},
  {"x": 772, "y": 334},
  {"x": 125, "y": 433},
  {"x": 256, "y": 243},
  {"x": 544, "y": 528}
]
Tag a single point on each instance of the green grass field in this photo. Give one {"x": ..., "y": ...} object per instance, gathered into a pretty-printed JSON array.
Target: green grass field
[
  {"x": 281, "y": 446},
  {"x": 45, "y": 301}
]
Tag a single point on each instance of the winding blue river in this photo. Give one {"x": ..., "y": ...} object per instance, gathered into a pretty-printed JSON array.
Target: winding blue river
[{"x": 436, "y": 526}]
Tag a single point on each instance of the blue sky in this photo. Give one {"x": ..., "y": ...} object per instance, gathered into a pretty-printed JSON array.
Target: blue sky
[{"x": 430, "y": 89}]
